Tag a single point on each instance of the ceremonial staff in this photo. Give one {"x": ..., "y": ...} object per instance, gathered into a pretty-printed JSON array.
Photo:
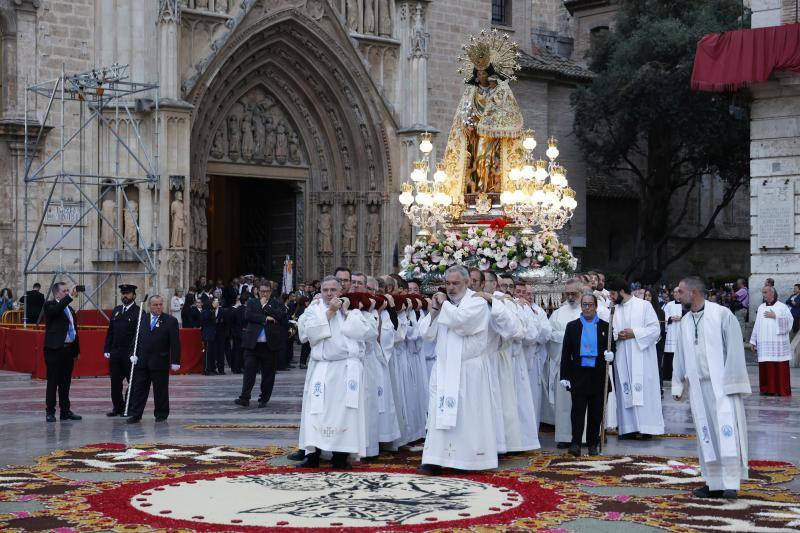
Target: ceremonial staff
[
  {"x": 135, "y": 347},
  {"x": 605, "y": 380}
]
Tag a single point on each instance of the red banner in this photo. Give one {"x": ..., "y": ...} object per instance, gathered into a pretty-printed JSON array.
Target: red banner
[{"x": 21, "y": 350}]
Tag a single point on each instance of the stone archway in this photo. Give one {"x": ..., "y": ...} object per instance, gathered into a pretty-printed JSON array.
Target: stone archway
[{"x": 297, "y": 69}]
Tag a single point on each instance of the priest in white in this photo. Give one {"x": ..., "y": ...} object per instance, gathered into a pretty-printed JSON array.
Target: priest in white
[
  {"x": 673, "y": 312},
  {"x": 493, "y": 344},
  {"x": 770, "y": 340},
  {"x": 558, "y": 405},
  {"x": 333, "y": 412},
  {"x": 460, "y": 418},
  {"x": 709, "y": 358},
  {"x": 636, "y": 377},
  {"x": 536, "y": 348}
]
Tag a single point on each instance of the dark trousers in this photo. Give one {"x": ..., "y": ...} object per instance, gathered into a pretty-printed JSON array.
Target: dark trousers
[
  {"x": 237, "y": 355},
  {"x": 305, "y": 352},
  {"x": 120, "y": 369},
  {"x": 220, "y": 349},
  {"x": 59, "y": 378},
  {"x": 590, "y": 407},
  {"x": 142, "y": 378},
  {"x": 666, "y": 366},
  {"x": 209, "y": 363},
  {"x": 267, "y": 361}
]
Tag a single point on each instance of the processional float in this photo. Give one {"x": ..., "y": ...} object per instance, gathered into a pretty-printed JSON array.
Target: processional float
[{"x": 490, "y": 203}]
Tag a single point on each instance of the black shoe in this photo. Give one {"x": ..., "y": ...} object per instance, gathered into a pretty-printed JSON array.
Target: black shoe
[
  {"x": 730, "y": 494},
  {"x": 50, "y": 418},
  {"x": 429, "y": 470},
  {"x": 575, "y": 449},
  {"x": 339, "y": 462},
  {"x": 297, "y": 455},
  {"x": 628, "y": 436},
  {"x": 69, "y": 415},
  {"x": 563, "y": 445},
  {"x": 262, "y": 405},
  {"x": 113, "y": 413},
  {"x": 242, "y": 402},
  {"x": 303, "y": 366},
  {"x": 311, "y": 461},
  {"x": 645, "y": 436},
  {"x": 705, "y": 492},
  {"x": 593, "y": 450},
  {"x": 133, "y": 420},
  {"x": 221, "y": 372},
  {"x": 161, "y": 419}
]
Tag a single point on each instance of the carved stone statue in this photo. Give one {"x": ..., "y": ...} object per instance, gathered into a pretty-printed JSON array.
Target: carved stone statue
[
  {"x": 373, "y": 229},
  {"x": 281, "y": 144},
  {"x": 369, "y": 16},
  {"x": 221, "y": 6},
  {"x": 350, "y": 230},
  {"x": 109, "y": 210},
  {"x": 202, "y": 222},
  {"x": 176, "y": 239},
  {"x": 131, "y": 218},
  {"x": 247, "y": 135},
  {"x": 385, "y": 27},
  {"x": 175, "y": 272},
  {"x": 353, "y": 15},
  {"x": 325, "y": 227},
  {"x": 294, "y": 148},
  {"x": 269, "y": 149},
  {"x": 405, "y": 234},
  {"x": 201, "y": 4},
  {"x": 259, "y": 134},
  {"x": 234, "y": 137},
  {"x": 218, "y": 144}
]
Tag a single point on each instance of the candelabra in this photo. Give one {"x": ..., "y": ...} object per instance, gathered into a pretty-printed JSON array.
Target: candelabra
[
  {"x": 537, "y": 194},
  {"x": 432, "y": 203}
]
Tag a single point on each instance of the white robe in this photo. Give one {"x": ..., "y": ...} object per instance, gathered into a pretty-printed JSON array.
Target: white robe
[
  {"x": 526, "y": 409},
  {"x": 333, "y": 413},
  {"x": 559, "y": 401},
  {"x": 672, "y": 308},
  {"x": 535, "y": 345},
  {"x": 770, "y": 336},
  {"x": 493, "y": 343},
  {"x": 718, "y": 370},
  {"x": 397, "y": 370},
  {"x": 460, "y": 429},
  {"x": 505, "y": 322},
  {"x": 373, "y": 378},
  {"x": 636, "y": 377},
  {"x": 417, "y": 382},
  {"x": 388, "y": 427}
]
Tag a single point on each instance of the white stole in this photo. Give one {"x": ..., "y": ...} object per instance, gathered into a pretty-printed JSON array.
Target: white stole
[
  {"x": 448, "y": 375},
  {"x": 714, "y": 344},
  {"x": 633, "y": 388}
]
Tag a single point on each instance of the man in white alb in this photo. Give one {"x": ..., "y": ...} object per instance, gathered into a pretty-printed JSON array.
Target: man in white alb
[{"x": 770, "y": 340}]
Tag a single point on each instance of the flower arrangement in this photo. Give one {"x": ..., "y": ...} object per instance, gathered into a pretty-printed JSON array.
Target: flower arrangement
[{"x": 495, "y": 248}]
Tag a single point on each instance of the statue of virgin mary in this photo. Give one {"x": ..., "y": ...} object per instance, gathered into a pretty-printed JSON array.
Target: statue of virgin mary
[{"x": 484, "y": 142}]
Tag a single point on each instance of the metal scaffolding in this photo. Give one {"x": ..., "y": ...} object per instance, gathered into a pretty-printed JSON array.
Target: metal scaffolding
[{"x": 105, "y": 103}]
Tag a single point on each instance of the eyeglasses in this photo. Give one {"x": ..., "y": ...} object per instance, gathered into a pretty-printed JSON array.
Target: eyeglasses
[{"x": 588, "y": 304}]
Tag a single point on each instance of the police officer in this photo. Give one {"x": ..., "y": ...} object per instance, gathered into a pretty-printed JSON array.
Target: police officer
[{"x": 119, "y": 345}]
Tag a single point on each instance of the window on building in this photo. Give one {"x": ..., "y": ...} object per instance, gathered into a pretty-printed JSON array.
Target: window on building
[
  {"x": 501, "y": 12},
  {"x": 597, "y": 35}
]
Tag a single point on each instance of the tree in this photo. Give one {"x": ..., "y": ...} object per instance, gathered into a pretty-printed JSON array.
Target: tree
[{"x": 640, "y": 121}]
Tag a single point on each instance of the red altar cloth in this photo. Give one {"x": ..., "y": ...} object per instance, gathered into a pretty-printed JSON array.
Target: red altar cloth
[
  {"x": 730, "y": 60},
  {"x": 21, "y": 351}
]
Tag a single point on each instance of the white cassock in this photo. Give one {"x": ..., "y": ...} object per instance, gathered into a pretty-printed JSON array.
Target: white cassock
[
  {"x": 717, "y": 380},
  {"x": 333, "y": 413},
  {"x": 771, "y": 335},
  {"x": 388, "y": 428},
  {"x": 558, "y": 406},
  {"x": 672, "y": 308},
  {"x": 460, "y": 418},
  {"x": 392, "y": 421},
  {"x": 493, "y": 343},
  {"x": 636, "y": 377},
  {"x": 428, "y": 351},
  {"x": 526, "y": 409},
  {"x": 505, "y": 323},
  {"x": 415, "y": 424},
  {"x": 397, "y": 371},
  {"x": 373, "y": 377},
  {"x": 416, "y": 372},
  {"x": 535, "y": 345}
]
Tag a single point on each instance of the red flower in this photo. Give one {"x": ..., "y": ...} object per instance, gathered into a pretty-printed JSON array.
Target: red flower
[{"x": 495, "y": 224}]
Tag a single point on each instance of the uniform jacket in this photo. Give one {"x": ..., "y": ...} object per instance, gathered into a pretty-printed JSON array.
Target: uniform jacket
[{"x": 121, "y": 331}]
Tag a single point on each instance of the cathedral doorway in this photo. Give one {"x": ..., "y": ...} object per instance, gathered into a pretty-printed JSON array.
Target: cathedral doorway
[{"x": 251, "y": 226}]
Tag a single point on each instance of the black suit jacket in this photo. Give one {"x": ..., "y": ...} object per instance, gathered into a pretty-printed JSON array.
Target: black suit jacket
[
  {"x": 238, "y": 322},
  {"x": 584, "y": 380},
  {"x": 121, "y": 331},
  {"x": 57, "y": 324},
  {"x": 161, "y": 347},
  {"x": 256, "y": 318},
  {"x": 35, "y": 302}
]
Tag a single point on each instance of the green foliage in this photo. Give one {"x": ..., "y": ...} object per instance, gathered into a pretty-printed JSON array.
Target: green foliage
[{"x": 639, "y": 118}]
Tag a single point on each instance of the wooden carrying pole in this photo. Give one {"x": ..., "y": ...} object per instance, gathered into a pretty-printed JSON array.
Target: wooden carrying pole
[{"x": 605, "y": 380}]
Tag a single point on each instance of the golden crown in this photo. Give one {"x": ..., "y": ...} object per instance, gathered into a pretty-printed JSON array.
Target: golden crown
[{"x": 489, "y": 48}]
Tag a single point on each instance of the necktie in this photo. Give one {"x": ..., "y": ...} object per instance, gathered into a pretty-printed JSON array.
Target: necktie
[
  {"x": 71, "y": 327},
  {"x": 153, "y": 322}
]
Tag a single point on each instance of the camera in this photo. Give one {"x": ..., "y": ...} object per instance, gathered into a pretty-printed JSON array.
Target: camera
[{"x": 80, "y": 288}]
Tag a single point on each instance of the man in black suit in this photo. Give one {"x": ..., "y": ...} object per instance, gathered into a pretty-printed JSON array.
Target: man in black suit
[
  {"x": 61, "y": 349},
  {"x": 35, "y": 301},
  {"x": 159, "y": 350},
  {"x": 583, "y": 372},
  {"x": 119, "y": 345},
  {"x": 237, "y": 324},
  {"x": 262, "y": 342}
]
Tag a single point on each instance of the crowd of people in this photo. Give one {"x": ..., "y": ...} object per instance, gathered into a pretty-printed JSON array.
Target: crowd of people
[{"x": 469, "y": 372}]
